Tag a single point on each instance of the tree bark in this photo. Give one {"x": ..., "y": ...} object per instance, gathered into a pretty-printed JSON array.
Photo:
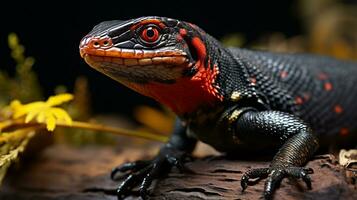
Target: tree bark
[{"x": 68, "y": 173}]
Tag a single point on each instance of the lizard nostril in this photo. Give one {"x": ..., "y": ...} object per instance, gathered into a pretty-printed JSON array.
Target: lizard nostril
[
  {"x": 96, "y": 44},
  {"x": 106, "y": 43}
]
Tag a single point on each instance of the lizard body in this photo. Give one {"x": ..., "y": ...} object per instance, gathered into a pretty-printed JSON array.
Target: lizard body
[{"x": 236, "y": 100}]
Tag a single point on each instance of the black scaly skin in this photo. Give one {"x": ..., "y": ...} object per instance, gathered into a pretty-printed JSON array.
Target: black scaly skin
[
  {"x": 320, "y": 83},
  {"x": 274, "y": 102}
]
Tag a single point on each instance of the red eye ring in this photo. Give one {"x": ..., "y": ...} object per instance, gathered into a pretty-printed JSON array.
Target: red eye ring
[{"x": 150, "y": 34}]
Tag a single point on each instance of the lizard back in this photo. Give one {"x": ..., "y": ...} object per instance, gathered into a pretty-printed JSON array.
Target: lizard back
[{"x": 322, "y": 89}]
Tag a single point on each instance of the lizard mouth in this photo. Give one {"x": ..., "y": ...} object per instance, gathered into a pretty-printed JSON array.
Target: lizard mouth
[
  {"x": 161, "y": 65},
  {"x": 159, "y": 69}
]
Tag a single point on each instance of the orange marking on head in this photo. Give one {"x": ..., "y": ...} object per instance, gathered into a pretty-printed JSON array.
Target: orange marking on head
[
  {"x": 283, "y": 74},
  {"x": 328, "y": 86},
  {"x": 344, "y": 131},
  {"x": 127, "y": 53},
  {"x": 148, "y": 21},
  {"x": 299, "y": 100}
]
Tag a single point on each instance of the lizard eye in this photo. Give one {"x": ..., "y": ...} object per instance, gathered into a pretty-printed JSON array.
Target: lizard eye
[{"x": 150, "y": 34}]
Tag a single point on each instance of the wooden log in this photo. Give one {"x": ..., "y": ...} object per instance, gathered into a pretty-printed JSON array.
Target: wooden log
[{"x": 68, "y": 173}]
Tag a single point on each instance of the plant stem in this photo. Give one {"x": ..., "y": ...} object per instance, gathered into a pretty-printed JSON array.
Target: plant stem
[
  {"x": 88, "y": 126},
  {"x": 118, "y": 131}
]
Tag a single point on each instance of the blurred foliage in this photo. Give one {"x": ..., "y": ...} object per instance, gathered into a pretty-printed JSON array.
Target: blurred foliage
[
  {"x": 14, "y": 142},
  {"x": 80, "y": 109},
  {"x": 153, "y": 120},
  {"x": 330, "y": 28},
  {"x": 233, "y": 39},
  {"x": 17, "y": 86},
  {"x": 11, "y": 144},
  {"x": 24, "y": 86},
  {"x": 21, "y": 121}
]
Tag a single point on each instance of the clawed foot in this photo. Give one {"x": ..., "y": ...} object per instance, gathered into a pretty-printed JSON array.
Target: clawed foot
[
  {"x": 274, "y": 176},
  {"x": 142, "y": 173}
]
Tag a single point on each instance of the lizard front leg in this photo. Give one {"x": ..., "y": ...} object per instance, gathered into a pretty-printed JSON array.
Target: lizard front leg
[
  {"x": 298, "y": 145},
  {"x": 142, "y": 173}
]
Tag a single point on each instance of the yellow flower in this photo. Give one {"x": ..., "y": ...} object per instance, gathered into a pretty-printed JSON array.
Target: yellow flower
[{"x": 43, "y": 112}]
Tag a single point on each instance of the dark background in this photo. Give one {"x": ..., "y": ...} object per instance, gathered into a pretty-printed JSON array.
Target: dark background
[{"x": 51, "y": 32}]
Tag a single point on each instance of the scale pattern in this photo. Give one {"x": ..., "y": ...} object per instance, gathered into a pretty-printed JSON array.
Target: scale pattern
[{"x": 320, "y": 90}]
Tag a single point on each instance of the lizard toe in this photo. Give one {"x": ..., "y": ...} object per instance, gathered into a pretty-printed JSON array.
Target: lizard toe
[
  {"x": 128, "y": 167},
  {"x": 277, "y": 174},
  {"x": 253, "y": 174}
]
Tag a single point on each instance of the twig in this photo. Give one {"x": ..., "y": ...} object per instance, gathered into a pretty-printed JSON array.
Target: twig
[{"x": 12, "y": 125}]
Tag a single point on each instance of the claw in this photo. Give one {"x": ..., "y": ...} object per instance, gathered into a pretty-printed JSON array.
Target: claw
[
  {"x": 244, "y": 182},
  {"x": 148, "y": 180},
  {"x": 307, "y": 181},
  {"x": 130, "y": 166},
  {"x": 144, "y": 172},
  {"x": 303, "y": 173},
  {"x": 268, "y": 195},
  {"x": 123, "y": 186},
  {"x": 272, "y": 182},
  {"x": 252, "y": 174},
  {"x": 143, "y": 188},
  {"x": 275, "y": 176},
  {"x": 130, "y": 182}
]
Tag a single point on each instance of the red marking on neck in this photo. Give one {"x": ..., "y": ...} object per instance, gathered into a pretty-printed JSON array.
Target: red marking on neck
[{"x": 185, "y": 95}]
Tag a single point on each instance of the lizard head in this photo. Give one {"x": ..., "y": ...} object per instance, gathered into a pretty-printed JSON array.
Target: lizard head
[
  {"x": 155, "y": 56},
  {"x": 147, "y": 49}
]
